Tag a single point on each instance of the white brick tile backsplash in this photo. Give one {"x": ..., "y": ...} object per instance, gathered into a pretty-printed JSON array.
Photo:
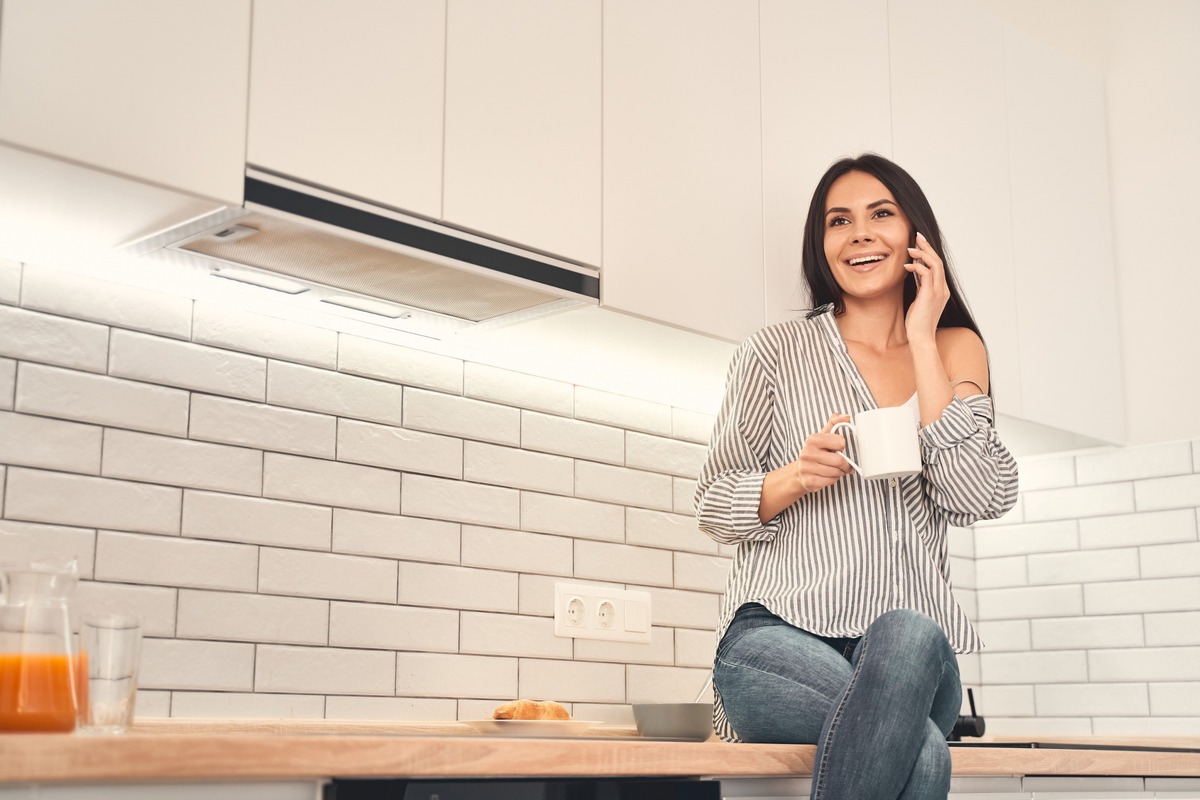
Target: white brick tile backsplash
[
  {"x": 622, "y": 412},
  {"x": 1173, "y": 628},
  {"x": 181, "y": 462},
  {"x": 461, "y": 416},
  {"x": 303, "y": 573},
  {"x": 85, "y": 501},
  {"x": 10, "y": 281},
  {"x": 8, "y": 383},
  {"x": 1064, "y": 666},
  {"x": 691, "y": 426},
  {"x": 495, "y": 385},
  {"x": 1015, "y": 701},
  {"x": 284, "y": 430},
  {"x": 30, "y": 336},
  {"x": 1128, "y": 597},
  {"x": 695, "y": 648},
  {"x": 252, "y": 617},
  {"x": 72, "y": 295},
  {"x": 679, "y": 608},
  {"x": 3, "y": 472},
  {"x": 28, "y": 541},
  {"x": 154, "y": 604},
  {"x": 397, "y": 364},
  {"x": 572, "y": 437},
  {"x": 1083, "y": 566},
  {"x": 99, "y": 399},
  {"x": 1091, "y": 700},
  {"x": 521, "y": 469},
  {"x": 1046, "y": 472},
  {"x": 417, "y": 709},
  {"x": 572, "y": 681},
  {"x": 446, "y": 675},
  {"x": 1018, "y": 540},
  {"x": 1147, "y": 527},
  {"x": 1007, "y": 635},
  {"x": 184, "y": 664},
  {"x": 962, "y": 572},
  {"x": 607, "y": 713},
  {"x": 1079, "y": 633},
  {"x": 1145, "y": 664},
  {"x": 1000, "y": 573},
  {"x": 49, "y": 443},
  {"x": 329, "y": 392},
  {"x": 365, "y": 534},
  {"x": 660, "y": 454},
  {"x": 622, "y": 485},
  {"x": 169, "y": 561},
  {"x": 627, "y": 563},
  {"x": 1081, "y": 501},
  {"x": 324, "y": 670},
  {"x": 569, "y": 516},
  {"x": 960, "y": 542},
  {"x": 153, "y": 704},
  {"x": 310, "y": 480},
  {"x": 207, "y": 515},
  {"x": 1030, "y": 602},
  {"x": 243, "y": 705},
  {"x": 190, "y": 366},
  {"x": 247, "y": 332},
  {"x": 457, "y": 587},
  {"x": 683, "y": 496},
  {"x": 1175, "y": 699},
  {"x": 1170, "y": 560},
  {"x": 398, "y": 448},
  {"x": 705, "y": 573},
  {"x": 668, "y": 531},
  {"x": 1147, "y": 726},
  {"x": 660, "y": 650},
  {"x": 510, "y": 635},
  {"x": 664, "y": 684},
  {"x": 1181, "y": 491},
  {"x": 517, "y": 551},
  {"x": 1027, "y": 727},
  {"x": 458, "y": 501},
  {"x": 368, "y": 625},
  {"x": 1131, "y": 463}
]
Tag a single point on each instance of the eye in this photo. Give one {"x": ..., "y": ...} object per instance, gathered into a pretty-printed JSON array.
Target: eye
[
  {"x": 883, "y": 212},
  {"x": 836, "y": 221}
]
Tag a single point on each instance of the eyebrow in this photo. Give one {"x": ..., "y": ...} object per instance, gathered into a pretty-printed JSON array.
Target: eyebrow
[{"x": 876, "y": 204}]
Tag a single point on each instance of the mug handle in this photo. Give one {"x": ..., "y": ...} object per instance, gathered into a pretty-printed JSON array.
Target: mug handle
[{"x": 842, "y": 453}]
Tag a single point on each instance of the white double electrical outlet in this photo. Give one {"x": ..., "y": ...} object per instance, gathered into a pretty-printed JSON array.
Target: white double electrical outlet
[{"x": 589, "y": 612}]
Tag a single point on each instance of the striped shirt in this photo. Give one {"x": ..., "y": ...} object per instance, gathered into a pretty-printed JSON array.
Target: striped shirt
[{"x": 835, "y": 560}]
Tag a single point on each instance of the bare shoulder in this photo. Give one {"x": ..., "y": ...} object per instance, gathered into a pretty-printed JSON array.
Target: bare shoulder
[{"x": 964, "y": 359}]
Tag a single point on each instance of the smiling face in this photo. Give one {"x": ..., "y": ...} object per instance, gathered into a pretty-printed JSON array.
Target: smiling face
[{"x": 866, "y": 236}]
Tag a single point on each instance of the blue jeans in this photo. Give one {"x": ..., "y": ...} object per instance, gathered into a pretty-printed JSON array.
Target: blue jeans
[{"x": 878, "y": 707}]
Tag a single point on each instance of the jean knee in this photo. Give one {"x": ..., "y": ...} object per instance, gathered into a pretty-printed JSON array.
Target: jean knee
[
  {"x": 914, "y": 631},
  {"x": 931, "y": 771}
]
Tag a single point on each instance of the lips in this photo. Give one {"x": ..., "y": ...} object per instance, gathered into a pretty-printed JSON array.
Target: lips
[{"x": 865, "y": 261}]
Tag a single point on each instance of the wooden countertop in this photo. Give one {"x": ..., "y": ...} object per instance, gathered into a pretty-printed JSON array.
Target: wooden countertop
[{"x": 176, "y": 750}]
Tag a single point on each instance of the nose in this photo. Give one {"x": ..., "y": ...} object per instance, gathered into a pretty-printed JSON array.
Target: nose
[{"x": 861, "y": 233}]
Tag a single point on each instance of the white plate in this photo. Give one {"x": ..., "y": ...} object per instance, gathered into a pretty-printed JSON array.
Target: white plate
[{"x": 531, "y": 727}]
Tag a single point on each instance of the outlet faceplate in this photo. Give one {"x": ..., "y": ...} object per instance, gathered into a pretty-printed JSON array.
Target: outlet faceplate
[{"x": 618, "y": 615}]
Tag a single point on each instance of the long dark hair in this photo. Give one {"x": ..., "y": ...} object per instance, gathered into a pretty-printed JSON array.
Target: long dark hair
[{"x": 823, "y": 288}]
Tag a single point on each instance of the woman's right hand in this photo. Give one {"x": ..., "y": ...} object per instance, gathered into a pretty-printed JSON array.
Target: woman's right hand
[{"x": 818, "y": 465}]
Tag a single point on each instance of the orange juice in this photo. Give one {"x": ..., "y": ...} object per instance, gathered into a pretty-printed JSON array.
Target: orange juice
[{"x": 40, "y": 691}]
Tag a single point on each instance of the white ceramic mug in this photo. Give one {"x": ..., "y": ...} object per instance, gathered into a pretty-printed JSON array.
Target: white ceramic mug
[{"x": 888, "y": 446}]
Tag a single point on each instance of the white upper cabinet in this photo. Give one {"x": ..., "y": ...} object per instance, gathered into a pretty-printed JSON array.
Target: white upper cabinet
[
  {"x": 522, "y": 156},
  {"x": 682, "y": 164},
  {"x": 825, "y": 95},
  {"x": 950, "y": 131},
  {"x": 143, "y": 88},
  {"x": 347, "y": 94},
  {"x": 1062, "y": 241}
]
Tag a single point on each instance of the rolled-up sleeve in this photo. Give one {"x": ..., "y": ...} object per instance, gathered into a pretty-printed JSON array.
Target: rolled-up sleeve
[
  {"x": 730, "y": 484},
  {"x": 970, "y": 475}
]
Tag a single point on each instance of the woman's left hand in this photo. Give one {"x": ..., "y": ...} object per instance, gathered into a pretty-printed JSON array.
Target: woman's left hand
[{"x": 921, "y": 321}]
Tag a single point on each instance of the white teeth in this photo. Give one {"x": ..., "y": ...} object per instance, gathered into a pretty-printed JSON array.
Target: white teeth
[{"x": 854, "y": 262}]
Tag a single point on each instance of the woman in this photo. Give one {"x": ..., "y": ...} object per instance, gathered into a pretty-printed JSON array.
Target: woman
[{"x": 839, "y": 627}]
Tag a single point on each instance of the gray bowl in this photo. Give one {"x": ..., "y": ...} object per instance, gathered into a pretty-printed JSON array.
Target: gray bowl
[{"x": 691, "y": 721}]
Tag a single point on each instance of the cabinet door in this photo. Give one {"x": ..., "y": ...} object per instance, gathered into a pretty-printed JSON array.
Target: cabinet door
[
  {"x": 949, "y": 130},
  {"x": 824, "y": 96},
  {"x": 347, "y": 94},
  {"x": 1062, "y": 241},
  {"x": 152, "y": 90},
  {"x": 682, "y": 185},
  {"x": 523, "y": 122}
]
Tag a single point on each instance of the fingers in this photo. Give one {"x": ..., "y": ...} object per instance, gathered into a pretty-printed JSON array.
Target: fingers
[{"x": 834, "y": 420}]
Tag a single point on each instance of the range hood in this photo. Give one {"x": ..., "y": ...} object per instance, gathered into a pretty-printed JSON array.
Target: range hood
[{"x": 344, "y": 251}]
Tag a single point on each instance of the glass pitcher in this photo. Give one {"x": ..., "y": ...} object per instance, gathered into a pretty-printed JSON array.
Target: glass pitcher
[{"x": 41, "y": 688}]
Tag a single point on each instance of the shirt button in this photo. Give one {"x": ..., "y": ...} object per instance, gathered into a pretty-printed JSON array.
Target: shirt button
[{"x": 892, "y": 482}]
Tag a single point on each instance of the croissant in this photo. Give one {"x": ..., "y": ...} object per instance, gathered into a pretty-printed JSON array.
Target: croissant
[{"x": 531, "y": 709}]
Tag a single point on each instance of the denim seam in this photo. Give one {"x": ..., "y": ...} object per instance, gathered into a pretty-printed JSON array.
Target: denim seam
[{"x": 818, "y": 789}]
